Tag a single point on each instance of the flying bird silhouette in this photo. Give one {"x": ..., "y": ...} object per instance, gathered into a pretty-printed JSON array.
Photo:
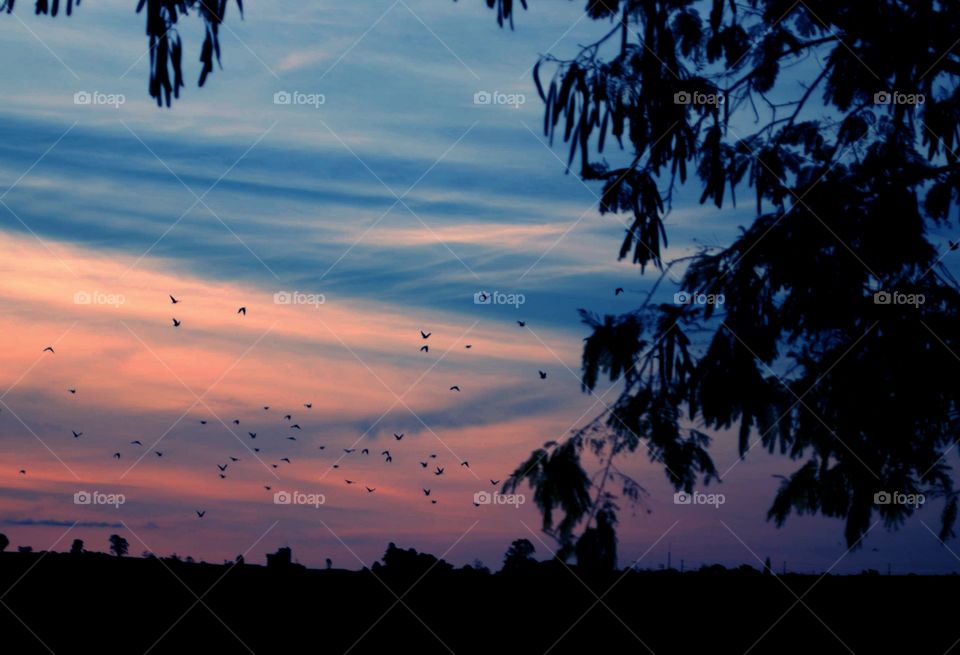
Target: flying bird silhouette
[
  {"x": 50, "y": 348},
  {"x": 295, "y": 426},
  {"x": 136, "y": 442},
  {"x": 308, "y": 405},
  {"x": 116, "y": 455},
  {"x": 172, "y": 299},
  {"x": 201, "y": 513},
  {"x": 176, "y": 323},
  {"x": 618, "y": 291},
  {"x": 522, "y": 323},
  {"x": 158, "y": 453},
  {"x": 469, "y": 345},
  {"x": 291, "y": 438},
  {"x": 23, "y": 471},
  {"x": 222, "y": 467},
  {"x": 370, "y": 491},
  {"x": 426, "y": 492},
  {"x": 425, "y": 335},
  {"x": 423, "y": 465},
  {"x": 433, "y": 455},
  {"x": 398, "y": 437},
  {"x": 72, "y": 390},
  {"x": 223, "y": 477},
  {"x": 349, "y": 450},
  {"x": 494, "y": 482},
  {"x": 289, "y": 417},
  {"x": 242, "y": 310},
  {"x": 285, "y": 459},
  {"x": 76, "y": 435},
  {"x": 348, "y": 481},
  {"x": 424, "y": 348},
  {"x": 266, "y": 407},
  {"x": 267, "y": 487},
  {"x": 253, "y": 435},
  {"x": 543, "y": 375},
  {"x": 234, "y": 459},
  {"x": 439, "y": 471},
  {"x": 365, "y": 451},
  {"x": 236, "y": 421},
  {"x": 321, "y": 447},
  {"x": 433, "y": 501},
  {"x": 455, "y": 388},
  {"x": 465, "y": 463}
]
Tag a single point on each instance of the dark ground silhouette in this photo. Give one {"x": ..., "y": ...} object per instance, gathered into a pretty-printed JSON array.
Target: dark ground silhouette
[{"x": 100, "y": 603}]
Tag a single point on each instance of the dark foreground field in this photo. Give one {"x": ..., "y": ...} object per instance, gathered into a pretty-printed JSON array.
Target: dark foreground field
[{"x": 94, "y": 603}]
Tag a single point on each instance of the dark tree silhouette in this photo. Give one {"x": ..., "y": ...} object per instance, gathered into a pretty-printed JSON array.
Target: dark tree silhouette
[
  {"x": 837, "y": 342},
  {"x": 118, "y": 545},
  {"x": 283, "y": 558},
  {"x": 166, "y": 49},
  {"x": 76, "y": 548},
  {"x": 596, "y": 549},
  {"x": 4, "y": 542},
  {"x": 409, "y": 562},
  {"x": 518, "y": 555}
]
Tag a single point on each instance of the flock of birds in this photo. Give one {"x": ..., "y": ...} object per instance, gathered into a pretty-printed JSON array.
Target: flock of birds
[{"x": 387, "y": 456}]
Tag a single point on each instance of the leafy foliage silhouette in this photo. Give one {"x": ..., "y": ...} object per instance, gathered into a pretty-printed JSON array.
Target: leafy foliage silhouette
[
  {"x": 808, "y": 356},
  {"x": 166, "y": 48}
]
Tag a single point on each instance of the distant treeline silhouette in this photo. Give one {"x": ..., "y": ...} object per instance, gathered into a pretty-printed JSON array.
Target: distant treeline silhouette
[{"x": 81, "y": 602}]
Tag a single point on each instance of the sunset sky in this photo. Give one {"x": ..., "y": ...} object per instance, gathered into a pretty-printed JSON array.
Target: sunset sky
[{"x": 394, "y": 202}]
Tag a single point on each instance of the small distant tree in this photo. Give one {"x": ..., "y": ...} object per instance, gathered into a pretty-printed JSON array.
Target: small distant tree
[
  {"x": 76, "y": 548},
  {"x": 329, "y": 563},
  {"x": 240, "y": 560},
  {"x": 24, "y": 549},
  {"x": 519, "y": 554},
  {"x": 4, "y": 542},
  {"x": 118, "y": 545}
]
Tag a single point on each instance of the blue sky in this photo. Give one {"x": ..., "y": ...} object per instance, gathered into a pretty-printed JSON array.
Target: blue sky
[{"x": 306, "y": 198}]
